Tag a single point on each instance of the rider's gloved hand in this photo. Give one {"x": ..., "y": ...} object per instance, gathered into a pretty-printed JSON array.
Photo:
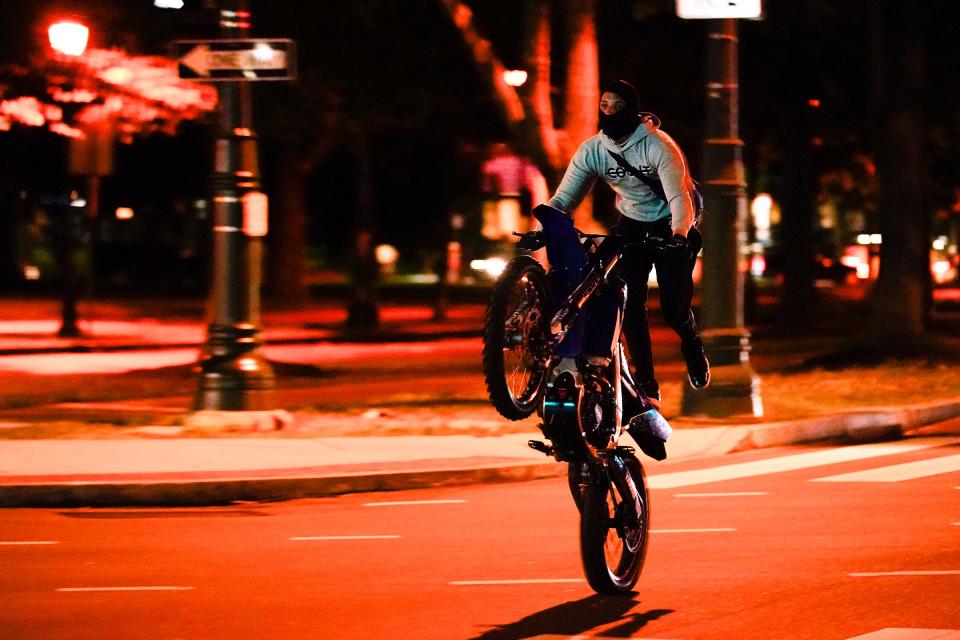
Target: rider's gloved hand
[
  {"x": 678, "y": 246},
  {"x": 678, "y": 242}
]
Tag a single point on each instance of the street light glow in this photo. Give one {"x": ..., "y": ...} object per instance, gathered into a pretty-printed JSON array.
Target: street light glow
[
  {"x": 515, "y": 77},
  {"x": 68, "y": 38},
  {"x": 168, "y": 4}
]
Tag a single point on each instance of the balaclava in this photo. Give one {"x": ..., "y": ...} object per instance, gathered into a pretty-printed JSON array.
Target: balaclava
[{"x": 623, "y": 122}]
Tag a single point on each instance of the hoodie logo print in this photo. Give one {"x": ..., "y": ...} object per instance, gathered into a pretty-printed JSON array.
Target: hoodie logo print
[
  {"x": 616, "y": 172},
  {"x": 619, "y": 172}
]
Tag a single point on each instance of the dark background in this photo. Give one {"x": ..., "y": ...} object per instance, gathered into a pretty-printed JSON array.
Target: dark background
[{"x": 400, "y": 69}]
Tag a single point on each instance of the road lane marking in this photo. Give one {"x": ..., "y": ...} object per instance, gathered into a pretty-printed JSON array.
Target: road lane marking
[
  {"x": 878, "y": 574},
  {"x": 790, "y": 463},
  {"x": 902, "y": 633},
  {"x": 307, "y": 538},
  {"x": 899, "y": 472},
  {"x": 721, "y": 495},
  {"x": 92, "y": 589},
  {"x": 714, "y": 530},
  {"x": 13, "y": 543},
  {"x": 533, "y": 581},
  {"x": 398, "y": 503}
]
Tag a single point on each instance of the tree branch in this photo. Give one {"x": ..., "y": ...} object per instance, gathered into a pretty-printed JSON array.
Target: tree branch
[{"x": 487, "y": 63}]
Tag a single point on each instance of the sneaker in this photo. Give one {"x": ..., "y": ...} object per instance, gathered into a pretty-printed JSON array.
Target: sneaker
[
  {"x": 651, "y": 389},
  {"x": 698, "y": 369},
  {"x": 650, "y": 431}
]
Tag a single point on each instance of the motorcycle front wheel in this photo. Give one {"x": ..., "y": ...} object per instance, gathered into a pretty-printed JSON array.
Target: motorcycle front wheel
[
  {"x": 613, "y": 543},
  {"x": 516, "y": 339}
]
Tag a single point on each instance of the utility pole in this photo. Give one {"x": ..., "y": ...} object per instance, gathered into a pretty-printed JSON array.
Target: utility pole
[
  {"x": 734, "y": 388},
  {"x": 234, "y": 376}
]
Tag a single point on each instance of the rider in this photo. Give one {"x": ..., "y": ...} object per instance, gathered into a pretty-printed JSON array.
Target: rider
[{"x": 638, "y": 140}]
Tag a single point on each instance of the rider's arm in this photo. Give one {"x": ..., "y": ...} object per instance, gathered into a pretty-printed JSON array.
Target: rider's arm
[
  {"x": 677, "y": 185},
  {"x": 576, "y": 184}
]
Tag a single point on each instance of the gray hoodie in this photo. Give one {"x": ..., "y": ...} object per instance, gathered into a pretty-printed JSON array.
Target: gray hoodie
[{"x": 651, "y": 151}]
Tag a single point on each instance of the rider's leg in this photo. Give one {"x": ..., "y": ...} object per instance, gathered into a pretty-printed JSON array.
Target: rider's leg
[
  {"x": 675, "y": 277},
  {"x": 635, "y": 271}
]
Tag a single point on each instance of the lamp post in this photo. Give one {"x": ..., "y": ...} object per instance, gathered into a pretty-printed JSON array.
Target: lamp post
[
  {"x": 234, "y": 376},
  {"x": 68, "y": 39},
  {"x": 734, "y": 388}
]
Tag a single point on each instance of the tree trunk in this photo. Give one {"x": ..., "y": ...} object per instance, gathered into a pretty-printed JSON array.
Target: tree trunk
[
  {"x": 798, "y": 308},
  {"x": 531, "y": 119},
  {"x": 901, "y": 291},
  {"x": 363, "y": 311},
  {"x": 539, "y": 137},
  {"x": 288, "y": 219},
  {"x": 583, "y": 91}
]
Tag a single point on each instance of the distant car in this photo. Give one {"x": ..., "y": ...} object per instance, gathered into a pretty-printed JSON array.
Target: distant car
[{"x": 771, "y": 263}]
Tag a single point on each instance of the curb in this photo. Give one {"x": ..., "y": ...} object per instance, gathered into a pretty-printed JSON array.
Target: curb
[
  {"x": 266, "y": 489},
  {"x": 855, "y": 426},
  {"x": 882, "y": 423}
]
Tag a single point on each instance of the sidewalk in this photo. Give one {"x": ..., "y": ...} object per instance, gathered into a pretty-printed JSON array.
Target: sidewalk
[
  {"x": 325, "y": 453},
  {"x": 184, "y": 471}
]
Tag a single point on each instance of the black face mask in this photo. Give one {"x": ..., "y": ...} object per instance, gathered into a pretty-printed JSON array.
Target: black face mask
[{"x": 620, "y": 124}]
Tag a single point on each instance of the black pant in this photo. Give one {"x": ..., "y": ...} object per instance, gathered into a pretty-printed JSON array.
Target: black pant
[{"x": 675, "y": 280}]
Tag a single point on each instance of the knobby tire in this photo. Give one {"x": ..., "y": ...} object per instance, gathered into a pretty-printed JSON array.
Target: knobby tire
[
  {"x": 620, "y": 572},
  {"x": 503, "y": 306}
]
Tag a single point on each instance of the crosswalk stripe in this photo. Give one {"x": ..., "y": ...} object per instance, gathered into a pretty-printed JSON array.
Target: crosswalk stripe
[
  {"x": 467, "y": 583},
  {"x": 404, "y": 503},
  {"x": 729, "y": 494},
  {"x": 883, "y": 574},
  {"x": 791, "y": 462},
  {"x": 901, "y": 633},
  {"x": 320, "y": 538},
  {"x": 899, "y": 472}
]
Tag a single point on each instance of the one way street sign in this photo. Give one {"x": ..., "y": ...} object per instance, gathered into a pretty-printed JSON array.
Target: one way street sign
[{"x": 236, "y": 60}]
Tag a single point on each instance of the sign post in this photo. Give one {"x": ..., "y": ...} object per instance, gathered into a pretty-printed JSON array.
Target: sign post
[
  {"x": 234, "y": 376},
  {"x": 734, "y": 388}
]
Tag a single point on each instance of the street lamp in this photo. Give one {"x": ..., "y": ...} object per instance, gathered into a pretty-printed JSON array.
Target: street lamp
[{"x": 68, "y": 37}]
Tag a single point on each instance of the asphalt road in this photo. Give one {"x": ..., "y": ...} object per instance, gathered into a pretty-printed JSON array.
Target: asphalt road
[{"x": 775, "y": 543}]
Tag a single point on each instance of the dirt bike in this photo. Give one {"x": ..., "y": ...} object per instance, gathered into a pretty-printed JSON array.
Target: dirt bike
[{"x": 552, "y": 345}]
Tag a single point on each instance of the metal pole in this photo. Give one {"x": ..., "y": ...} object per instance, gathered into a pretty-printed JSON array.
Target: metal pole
[
  {"x": 734, "y": 387},
  {"x": 234, "y": 376}
]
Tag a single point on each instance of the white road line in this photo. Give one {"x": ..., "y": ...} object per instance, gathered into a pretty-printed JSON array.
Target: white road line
[
  {"x": 899, "y": 472},
  {"x": 91, "y": 589},
  {"x": 306, "y": 538},
  {"x": 534, "y": 581},
  {"x": 714, "y": 530},
  {"x": 791, "y": 462},
  {"x": 730, "y": 494},
  {"x": 879, "y": 574},
  {"x": 900, "y": 633},
  {"x": 13, "y": 543},
  {"x": 411, "y": 502}
]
